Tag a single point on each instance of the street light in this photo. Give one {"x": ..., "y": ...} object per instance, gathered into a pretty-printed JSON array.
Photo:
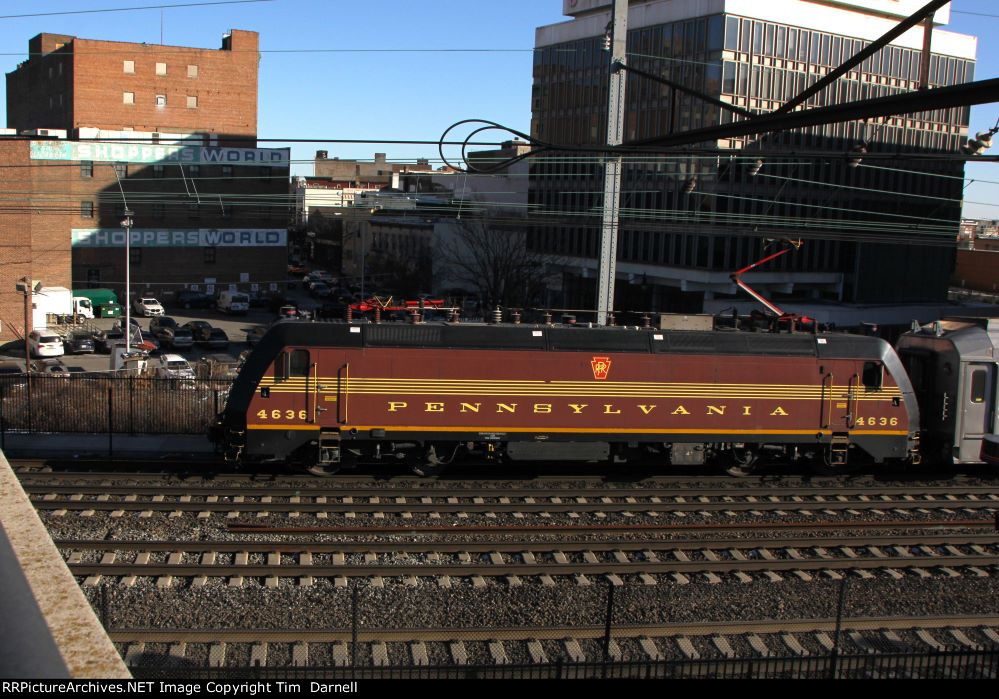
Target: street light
[{"x": 126, "y": 223}]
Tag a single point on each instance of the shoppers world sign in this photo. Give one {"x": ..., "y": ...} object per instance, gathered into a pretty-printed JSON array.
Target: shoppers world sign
[
  {"x": 75, "y": 151},
  {"x": 182, "y": 238}
]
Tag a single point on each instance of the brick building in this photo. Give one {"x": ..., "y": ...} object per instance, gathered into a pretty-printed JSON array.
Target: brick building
[
  {"x": 210, "y": 209},
  {"x": 70, "y": 83}
]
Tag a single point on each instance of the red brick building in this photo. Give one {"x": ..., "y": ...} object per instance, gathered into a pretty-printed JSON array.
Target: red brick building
[
  {"x": 70, "y": 83},
  {"x": 177, "y": 126}
]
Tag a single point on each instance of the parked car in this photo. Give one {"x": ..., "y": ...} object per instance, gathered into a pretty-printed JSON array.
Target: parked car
[
  {"x": 233, "y": 302},
  {"x": 217, "y": 339},
  {"x": 193, "y": 299},
  {"x": 172, "y": 366},
  {"x": 44, "y": 343},
  {"x": 147, "y": 306},
  {"x": 201, "y": 329},
  {"x": 164, "y": 328},
  {"x": 218, "y": 366},
  {"x": 288, "y": 311},
  {"x": 79, "y": 342},
  {"x": 103, "y": 341},
  {"x": 183, "y": 339}
]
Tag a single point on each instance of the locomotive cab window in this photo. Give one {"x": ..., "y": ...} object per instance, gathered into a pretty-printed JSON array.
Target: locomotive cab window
[
  {"x": 293, "y": 364},
  {"x": 873, "y": 376}
]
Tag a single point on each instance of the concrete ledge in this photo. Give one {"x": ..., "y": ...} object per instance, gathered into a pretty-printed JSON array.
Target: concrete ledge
[{"x": 86, "y": 651}]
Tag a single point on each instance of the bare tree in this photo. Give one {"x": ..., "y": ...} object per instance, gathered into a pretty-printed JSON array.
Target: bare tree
[{"x": 496, "y": 262}]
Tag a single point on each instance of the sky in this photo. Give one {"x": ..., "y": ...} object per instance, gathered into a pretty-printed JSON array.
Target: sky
[{"x": 393, "y": 69}]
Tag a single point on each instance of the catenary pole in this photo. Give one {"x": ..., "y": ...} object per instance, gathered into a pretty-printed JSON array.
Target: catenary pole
[{"x": 612, "y": 169}]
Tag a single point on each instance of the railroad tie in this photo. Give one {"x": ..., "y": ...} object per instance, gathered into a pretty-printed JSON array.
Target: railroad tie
[
  {"x": 236, "y": 581},
  {"x": 444, "y": 581},
  {"x": 478, "y": 581},
  {"x": 178, "y": 650},
  {"x": 164, "y": 581},
  {"x": 340, "y": 582},
  {"x": 614, "y": 580},
  {"x": 258, "y": 655},
  {"x": 411, "y": 581},
  {"x": 823, "y": 638},
  {"x": 216, "y": 655},
  {"x": 590, "y": 557},
  {"x": 498, "y": 653},
  {"x": 646, "y": 579},
  {"x": 723, "y": 646},
  {"x": 300, "y": 655},
  {"x": 574, "y": 652},
  {"x": 650, "y": 648},
  {"x": 560, "y": 558},
  {"x": 208, "y": 558},
  {"x": 273, "y": 559},
  {"x": 613, "y": 650},
  {"x": 134, "y": 653},
  {"x": 418, "y": 653},
  {"x": 860, "y": 642},
  {"x": 379, "y": 654},
  {"x": 305, "y": 558},
  {"x": 582, "y": 580},
  {"x": 928, "y": 638},
  {"x": 458, "y": 652},
  {"x": 961, "y": 638},
  {"x": 687, "y": 648},
  {"x": 377, "y": 581},
  {"x": 792, "y": 643},
  {"x": 513, "y": 581},
  {"x": 537, "y": 652},
  {"x": 758, "y": 645},
  {"x": 528, "y": 558},
  {"x": 242, "y": 558},
  {"x": 496, "y": 558},
  {"x": 341, "y": 656}
]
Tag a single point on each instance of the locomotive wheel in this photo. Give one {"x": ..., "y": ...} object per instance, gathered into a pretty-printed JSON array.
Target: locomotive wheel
[{"x": 741, "y": 463}]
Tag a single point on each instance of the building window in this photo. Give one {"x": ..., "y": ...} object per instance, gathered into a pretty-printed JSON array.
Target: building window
[
  {"x": 192, "y": 71},
  {"x": 86, "y": 168},
  {"x": 209, "y": 256},
  {"x": 192, "y": 102},
  {"x": 135, "y": 256},
  {"x": 227, "y": 171},
  {"x": 160, "y": 100},
  {"x": 128, "y": 98},
  {"x": 159, "y": 171},
  {"x": 129, "y": 67},
  {"x": 121, "y": 169},
  {"x": 86, "y": 209},
  {"x": 161, "y": 68}
]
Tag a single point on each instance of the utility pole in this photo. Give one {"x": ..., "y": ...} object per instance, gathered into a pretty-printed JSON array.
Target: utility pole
[
  {"x": 126, "y": 223},
  {"x": 618, "y": 36},
  {"x": 26, "y": 287}
]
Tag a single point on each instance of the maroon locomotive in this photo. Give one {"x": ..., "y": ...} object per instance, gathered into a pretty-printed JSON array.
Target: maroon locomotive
[{"x": 329, "y": 395}]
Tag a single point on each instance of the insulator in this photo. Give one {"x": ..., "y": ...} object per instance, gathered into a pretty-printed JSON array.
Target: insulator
[
  {"x": 497, "y": 316},
  {"x": 516, "y": 317},
  {"x": 755, "y": 168},
  {"x": 691, "y": 185}
]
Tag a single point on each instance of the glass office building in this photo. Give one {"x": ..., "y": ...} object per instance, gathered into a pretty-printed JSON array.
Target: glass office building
[{"x": 690, "y": 219}]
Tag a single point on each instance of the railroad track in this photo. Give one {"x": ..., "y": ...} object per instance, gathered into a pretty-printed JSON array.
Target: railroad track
[
  {"x": 951, "y": 556},
  {"x": 501, "y": 646}
]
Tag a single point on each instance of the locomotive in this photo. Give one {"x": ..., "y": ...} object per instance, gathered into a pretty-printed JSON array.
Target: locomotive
[{"x": 329, "y": 395}]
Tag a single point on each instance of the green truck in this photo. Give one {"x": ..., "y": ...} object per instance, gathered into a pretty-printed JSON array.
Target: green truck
[{"x": 103, "y": 301}]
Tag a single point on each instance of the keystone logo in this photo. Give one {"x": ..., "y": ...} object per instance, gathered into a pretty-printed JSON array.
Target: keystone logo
[{"x": 601, "y": 368}]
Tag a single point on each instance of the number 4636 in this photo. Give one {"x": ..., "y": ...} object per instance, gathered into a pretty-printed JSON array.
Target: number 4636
[{"x": 282, "y": 414}]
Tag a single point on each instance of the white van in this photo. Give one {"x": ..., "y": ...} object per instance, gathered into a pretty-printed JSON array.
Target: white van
[{"x": 233, "y": 302}]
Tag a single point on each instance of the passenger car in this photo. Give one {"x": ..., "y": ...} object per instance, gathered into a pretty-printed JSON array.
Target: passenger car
[
  {"x": 193, "y": 299},
  {"x": 147, "y": 306},
  {"x": 201, "y": 329},
  {"x": 45, "y": 343},
  {"x": 172, "y": 366},
  {"x": 79, "y": 342}
]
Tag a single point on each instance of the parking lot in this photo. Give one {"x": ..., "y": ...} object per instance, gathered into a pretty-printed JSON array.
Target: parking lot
[{"x": 235, "y": 327}]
